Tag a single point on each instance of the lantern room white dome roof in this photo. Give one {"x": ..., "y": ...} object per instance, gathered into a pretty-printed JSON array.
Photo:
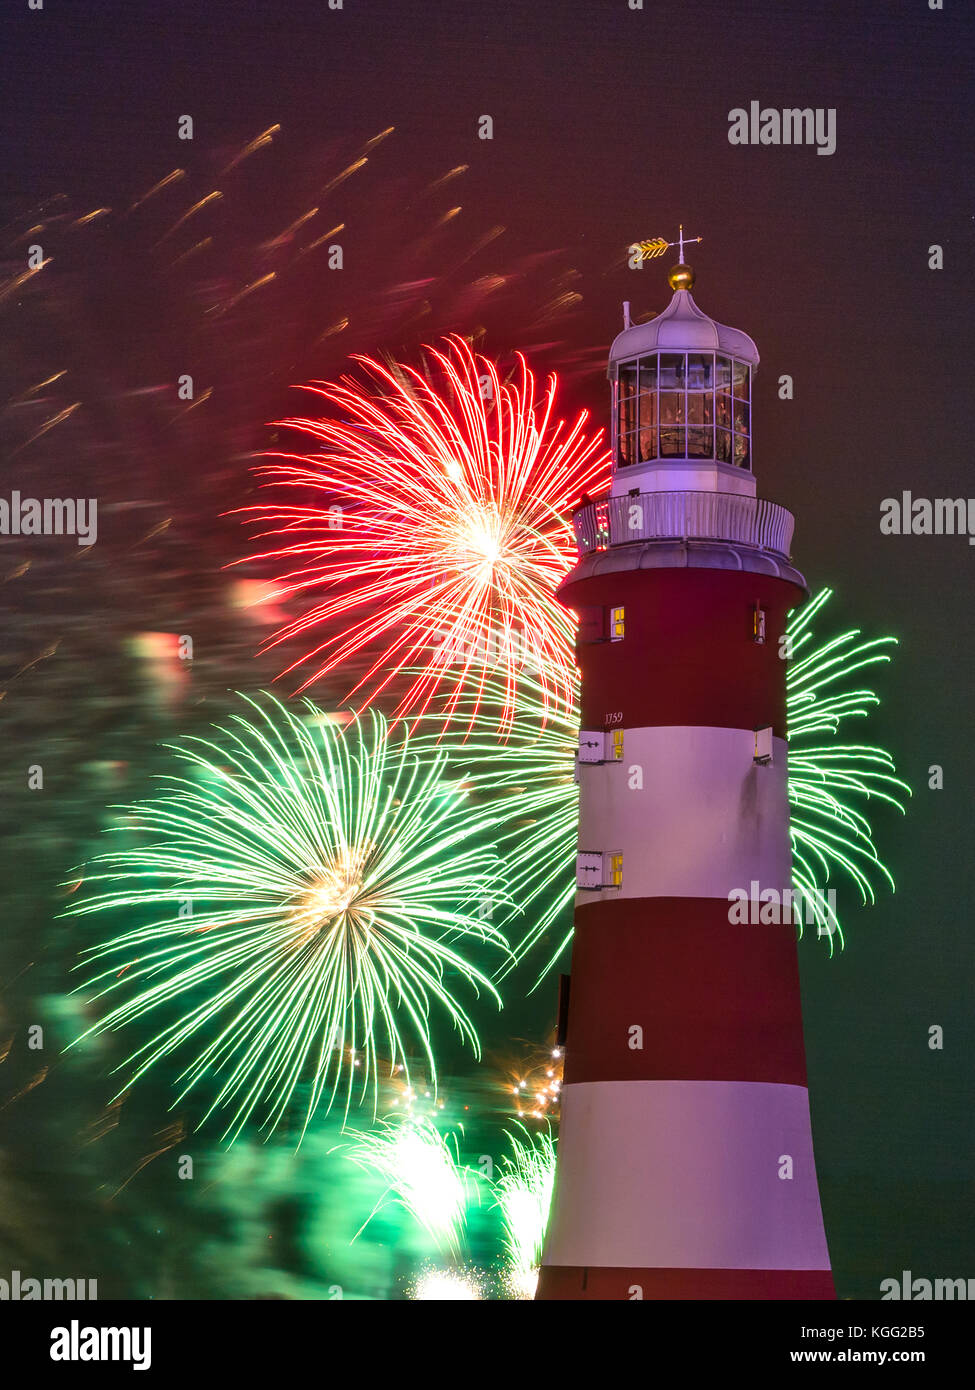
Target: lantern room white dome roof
[{"x": 682, "y": 327}]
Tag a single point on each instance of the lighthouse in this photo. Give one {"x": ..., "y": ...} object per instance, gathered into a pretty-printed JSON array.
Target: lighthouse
[{"x": 685, "y": 1158}]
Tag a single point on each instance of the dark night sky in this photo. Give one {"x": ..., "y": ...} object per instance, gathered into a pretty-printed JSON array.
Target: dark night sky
[{"x": 611, "y": 125}]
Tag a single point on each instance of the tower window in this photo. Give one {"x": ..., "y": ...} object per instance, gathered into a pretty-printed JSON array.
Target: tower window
[
  {"x": 617, "y": 745},
  {"x": 617, "y": 622},
  {"x": 615, "y": 875},
  {"x": 758, "y": 623}
]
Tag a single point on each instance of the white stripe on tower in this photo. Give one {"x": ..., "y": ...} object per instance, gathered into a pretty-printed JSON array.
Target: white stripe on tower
[
  {"x": 690, "y": 811},
  {"x": 688, "y": 1173}
]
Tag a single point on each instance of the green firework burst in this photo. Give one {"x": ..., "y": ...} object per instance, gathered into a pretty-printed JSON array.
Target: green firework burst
[
  {"x": 309, "y": 890},
  {"x": 829, "y": 782},
  {"x": 527, "y": 781},
  {"x": 524, "y": 1193},
  {"x": 421, "y": 1172}
]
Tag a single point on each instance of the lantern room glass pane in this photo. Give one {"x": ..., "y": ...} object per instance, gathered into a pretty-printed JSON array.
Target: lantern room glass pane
[
  {"x": 626, "y": 445},
  {"x": 648, "y": 374},
  {"x": 700, "y": 371},
  {"x": 700, "y": 408},
  {"x": 741, "y": 450},
  {"x": 723, "y": 446},
  {"x": 700, "y": 443},
  {"x": 627, "y": 400},
  {"x": 648, "y": 425},
  {"x": 672, "y": 407},
  {"x": 741, "y": 417},
  {"x": 671, "y": 443},
  {"x": 723, "y": 409},
  {"x": 672, "y": 371},
  {"x": 741, "y": 380},
  {"x": 722, "y": 373}
]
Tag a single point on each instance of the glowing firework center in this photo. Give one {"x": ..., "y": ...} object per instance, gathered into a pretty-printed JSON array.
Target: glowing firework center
[{"x": 685, "y": 1159}]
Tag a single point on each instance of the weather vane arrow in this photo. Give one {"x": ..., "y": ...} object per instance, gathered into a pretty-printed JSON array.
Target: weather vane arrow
[{"x": 650, "y": 250}]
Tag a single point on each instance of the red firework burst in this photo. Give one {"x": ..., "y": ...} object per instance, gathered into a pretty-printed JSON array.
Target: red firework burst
[{"x": 441, "y": 530}]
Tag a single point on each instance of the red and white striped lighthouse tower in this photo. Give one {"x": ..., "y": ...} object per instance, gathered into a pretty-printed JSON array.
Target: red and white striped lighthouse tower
[{"x": 685, "y": 1158}]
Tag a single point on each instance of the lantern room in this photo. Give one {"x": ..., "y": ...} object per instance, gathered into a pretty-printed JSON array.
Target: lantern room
[
  {"x": 682, "y": 398},
  {"x": 683, "y": 405}
]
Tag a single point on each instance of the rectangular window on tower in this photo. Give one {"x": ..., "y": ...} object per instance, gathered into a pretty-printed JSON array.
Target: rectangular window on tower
[
  {"x": 614, "y": 875},
  {"x": 617, "y": 745},
  {"x": 758, "y": 623},
  {"x": 617, "y": 622}
]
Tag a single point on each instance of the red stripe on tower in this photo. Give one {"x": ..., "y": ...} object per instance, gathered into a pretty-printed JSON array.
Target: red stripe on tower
[{"x": 685, "y": 1157}]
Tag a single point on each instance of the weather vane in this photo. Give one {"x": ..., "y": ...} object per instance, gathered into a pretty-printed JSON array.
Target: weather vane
[{"x": 650, "y": 250}]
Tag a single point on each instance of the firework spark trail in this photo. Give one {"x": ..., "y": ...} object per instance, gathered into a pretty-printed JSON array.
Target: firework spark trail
[
  {"x": 524, "y": 1194},
  {"x": 196, "y": 250},
  {"x": 331, "y": 877},
  {"x": 422, "y": 1174},
  {"x": 441, "y": 535},
  {"x": 432, "y": 1285},
  {"x": 529, "y": 782},
  {"x": 533, "y": 776},
  {"x": 826, "y": 780}
]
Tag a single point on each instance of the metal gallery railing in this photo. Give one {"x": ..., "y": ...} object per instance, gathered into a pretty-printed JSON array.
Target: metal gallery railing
[{"x": 700, "y": 516}]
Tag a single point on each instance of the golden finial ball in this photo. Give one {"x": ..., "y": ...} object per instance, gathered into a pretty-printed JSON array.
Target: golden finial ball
[{"x": 680, "y": 277}]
